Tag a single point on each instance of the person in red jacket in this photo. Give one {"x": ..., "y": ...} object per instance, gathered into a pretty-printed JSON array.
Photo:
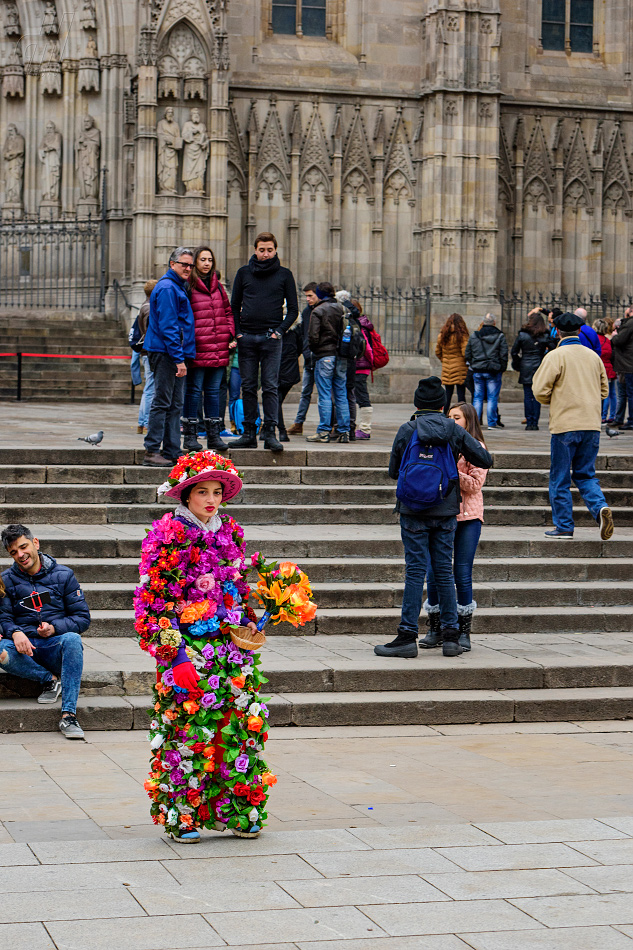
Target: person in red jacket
[
  {"x": 609, "y": 405},
  {"x": 215, "y": 338}
]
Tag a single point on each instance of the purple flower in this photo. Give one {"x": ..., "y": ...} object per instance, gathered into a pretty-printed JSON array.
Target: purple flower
[
  {"x": 208, "y": 652},
  {"x": 177, "y": 777},
  {"x": 221, "y": 612},
  {"x": 174, "y": 590},
  {"x": 235, "y": 657},
  {"x": 209, "y": 699},
  {"x": 224, "y": 772},
  {"x": 168, "y": 678},
  {"x": 241, "y": 763},
  {"x": 233, "y": 616},
  {"x": 214, "y": 681},
  {"x": 222, "y": 650},
  {"x": 173, "y": 757}
]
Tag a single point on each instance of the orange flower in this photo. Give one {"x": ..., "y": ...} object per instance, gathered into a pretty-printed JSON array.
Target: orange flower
[
  {"x": 255, "y": 723},
  {"x": 287, "y": 568},
  {"x": 268, "y": 778},
  {"x": 164, "y": 623},
  {"x": 186, "y": 820},
  {"x": 171, "y": 714},
  {"x": 298, "y": 596},
  {"x": 160, "y": 819},
  {"x": 156, "y": 707},
  {"x": 238, "y": 681},
  {"x": 191, "y": 706},
  {"x": 308, "y": 613},
  {"x": 209, "y": 766},
  {"x": 189, "y": 615}
]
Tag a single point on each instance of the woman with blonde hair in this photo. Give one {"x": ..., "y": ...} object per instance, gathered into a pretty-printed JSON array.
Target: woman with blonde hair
[{"x": 450, "y": 349}]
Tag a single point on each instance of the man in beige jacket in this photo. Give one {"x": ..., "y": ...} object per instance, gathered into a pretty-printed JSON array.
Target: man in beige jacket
[{"x": 572, "y": 381}]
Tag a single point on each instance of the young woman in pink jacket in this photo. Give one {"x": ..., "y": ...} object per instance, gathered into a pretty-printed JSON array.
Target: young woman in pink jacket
[
  {"x": 215, "y": 339},
  {"x": 469, "y": 522}
]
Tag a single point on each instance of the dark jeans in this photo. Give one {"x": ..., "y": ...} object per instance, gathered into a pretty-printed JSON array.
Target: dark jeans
[
  {"x": 628, "y": 385},
  {"x": 573, "y": 455},
  {"x": 206, "y": 380},
  {"x": 620, "y": 411},
  {"x": 466, "y": 541},
  {"x": 62, "y": 654},
  {"x": 163, "y": 427},
  {"x": 283, "y": 392},
  {"x": 461, "y": 394},
  {"x": 610, "y": 404},
  {"x": 531, "y": 407},
  {"x": 307, "y": 388},
  {"x": 362, "y": 393},
  {"x": 256, "y": 350},
  {"x": 424, "y": 542}
]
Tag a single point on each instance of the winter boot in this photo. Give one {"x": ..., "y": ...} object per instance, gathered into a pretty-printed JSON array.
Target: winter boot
[
  {"x": 248, "y": 440},
  {"x": 270, "y": 439},
  {"x": 283, "y": 435},
  {"x": 434, "y": 636},
  {"x": 403, "y": 646},
  {"x": 214, "y": 441},
  {"x": 296, "y": 428},
  {"x": 190, "y": 441},
  {"x": 450, "y": 644},
  {"x": 465, "y": 617}
]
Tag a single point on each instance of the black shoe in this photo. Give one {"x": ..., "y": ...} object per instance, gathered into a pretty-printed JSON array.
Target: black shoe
[
  {"x": 465, "y": 623},
  {"x": 434, "y": 636},
  {"x": 283, "y": 435},
  {"x": 214, "y": 442},
  {"x": 403, "y": 646},
  {"x": 271, "y": 441},
  {"x": 342, "y": 437},
  {"x": 189, "y": 430},
  {"x": 248, "y": 440},
  {"x": 561, "y": 535},
  {"x": 500, "y": 423},
  {"x": 450, "y": 646},
  {"x": 352, "y": 435}
]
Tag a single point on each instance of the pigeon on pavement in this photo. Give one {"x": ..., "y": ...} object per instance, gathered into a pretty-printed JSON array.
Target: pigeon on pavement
[
  {"x": 612, "y": 432},
  {"x": 93, "y": 439}
]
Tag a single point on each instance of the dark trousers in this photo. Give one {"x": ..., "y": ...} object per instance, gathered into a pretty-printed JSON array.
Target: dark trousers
[
  {"x": 257, "y": 350},
  {"x": 283, "y": 392},
  {"x": 163, "y": 426},
  {"x": 361, "y": 391},
  {"x": 620, "y": 411},
  {"x": 461, "y": 394},
  {"x": 531, "y": 407}
]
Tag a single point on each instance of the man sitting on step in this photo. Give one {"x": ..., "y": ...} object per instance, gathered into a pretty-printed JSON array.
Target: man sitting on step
[{"x": 42, "y": 616}]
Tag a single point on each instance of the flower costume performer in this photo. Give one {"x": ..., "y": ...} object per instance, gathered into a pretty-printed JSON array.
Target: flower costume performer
[{"x": 209, "y": 725}]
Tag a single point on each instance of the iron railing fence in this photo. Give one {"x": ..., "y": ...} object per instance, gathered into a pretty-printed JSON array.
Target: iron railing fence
[{"x": 516, "y": 307}]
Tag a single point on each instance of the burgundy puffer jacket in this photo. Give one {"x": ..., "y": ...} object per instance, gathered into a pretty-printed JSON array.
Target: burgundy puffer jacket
[{"x": 214, "y": 324}]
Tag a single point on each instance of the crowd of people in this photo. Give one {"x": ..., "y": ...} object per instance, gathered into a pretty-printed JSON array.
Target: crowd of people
[{"x": 199, "y": 351}]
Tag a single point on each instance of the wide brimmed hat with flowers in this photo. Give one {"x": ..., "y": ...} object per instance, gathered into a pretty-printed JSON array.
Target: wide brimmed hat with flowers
[{"x": 202, "y": 467}]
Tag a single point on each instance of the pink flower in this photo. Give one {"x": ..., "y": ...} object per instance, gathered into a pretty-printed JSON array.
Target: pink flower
[
  {"x": 205, "y": 582},
  {"x": 255, "y": 558}
]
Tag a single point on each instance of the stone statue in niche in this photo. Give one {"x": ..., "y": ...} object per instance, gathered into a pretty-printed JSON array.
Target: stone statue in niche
[
  {"x": 13, "y": 76},
  {"x": 50, "y": 155},
  {"x": 13, "y": 156},
  {"x": 87, "y": 154},
  {"x": 88, "y": 16},
  {"x": 196, "y": 153},
  {"x": 169, "y": 144},
  {"x": 88, "y": 75},
  {"x": 11, "y": 20},
  {"x": 50, "y": 26},
  {"x": 50, "y": 70}
]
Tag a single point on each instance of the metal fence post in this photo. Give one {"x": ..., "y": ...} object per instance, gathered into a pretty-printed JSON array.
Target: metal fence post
[{"x": 19, "y": 381}]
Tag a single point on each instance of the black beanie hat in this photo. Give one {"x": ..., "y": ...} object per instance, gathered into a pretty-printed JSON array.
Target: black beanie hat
[{"x": 430, "y": 394}]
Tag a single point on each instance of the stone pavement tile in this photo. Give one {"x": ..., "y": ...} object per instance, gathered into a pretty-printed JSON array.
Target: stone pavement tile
[
  {"x": 142, "y": 933},
  {"x": 66, "y": 905},
  {"x": 72, "y": 877},
  {"x": 362, "y": 890},
  {"x": 514, "y": 856},
  {"x": 487, "y": 885},
  {"x": 607, "y": 852},
  {"x": 589, "y": 910},
  {"x": 143, "y": 830},
  {"x": 81, "y": 829},
  {"x": 399, "y": 814},
  {"x": 286, "y": 867},
  {"x": 290, "y": 926},
  {"x": 532, "y": 832},
  {"x": 626, "y": 930},
  {"x": 508, "y": 728},
  {"x": 25, "y": 937},
  {"x": 605, "y": 725},
  {"x": 273, "y": 842},
  {"x": 568, "y": 938},
  {"x": 611, "y": 879},
  {"x": 80, "y": 852},
  {"x": 379, "y": 863},
  {"x": 428, "y": 836},
  {"x": 214, "y": 896},
  {"x": 17, "y": 759},
  {"x": 402, "y": 920},
  {"x": 443, "y": 942},
  {"x": 624, "y": 824},
  {"x": 14, "y": 855}
]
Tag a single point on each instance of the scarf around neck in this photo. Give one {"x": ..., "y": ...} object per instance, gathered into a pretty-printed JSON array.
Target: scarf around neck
[{"x": 213, "y": 525}]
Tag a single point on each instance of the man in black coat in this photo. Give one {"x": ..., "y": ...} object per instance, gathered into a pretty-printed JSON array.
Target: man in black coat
[
  {"x": 42, "y": 616},
  {"x": 260, "y": 290},
  {"x": 487, "y": 357},
  {"x": 622, "y": 349}
]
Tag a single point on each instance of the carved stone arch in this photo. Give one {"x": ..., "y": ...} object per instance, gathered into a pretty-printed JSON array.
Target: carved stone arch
[
  {"x": 399, "y": 156},
  {"x": 315, "y": 159},
  {"x": 539, "y": 176},
  {"x": 617, "y": 176},
  {"x": 273, "y": 170},
  {"x": 537, "y": 192},
  {"x": 236, "y": 153},
  {"x": 357, "y": 165},
  {"x": 182, "y": 59},
  {"x": 577, "y": 176},
  {"x": 195, "y": 11},
  {"x": 235, "y": 180},
  {"x": 616, "y": 198},
  {"x": 398, "y": 187},
  {"x": 577, "y": 195}
]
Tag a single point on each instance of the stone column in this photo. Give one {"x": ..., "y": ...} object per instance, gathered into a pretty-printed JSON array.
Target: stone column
[
  {"x": 218, "y": 157},
  {"x": 69, "y": 125},
  {"x": 517, "y": 233},
  {"x": 377, "y": 224},
  {"x": 145, "y": 171},
  {"x": 32, "y": 177},
  {"x": 113, "y": 70},
  {"x": 556, "y": 269},
  {"x": 295, "y": 158},
  {"x": 598, "y": 194},
  {"x": 253, "y": 136},
  {"x": 335, "y": 213}
]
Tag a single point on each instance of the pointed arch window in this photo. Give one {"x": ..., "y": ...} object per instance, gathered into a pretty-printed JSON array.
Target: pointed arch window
[
  {"x": 567, "y": 25},
  {"x": 299, "y": 17}
]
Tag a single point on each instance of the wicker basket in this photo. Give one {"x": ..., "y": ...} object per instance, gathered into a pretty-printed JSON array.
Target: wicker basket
[{"x": 245, "y": 639}]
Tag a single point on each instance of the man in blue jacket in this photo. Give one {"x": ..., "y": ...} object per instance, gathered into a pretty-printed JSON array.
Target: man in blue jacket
[
  {"x": 169, "y": 341},
  {"x": 587, "y": 335},
  {"x": 42, "y": 614}
]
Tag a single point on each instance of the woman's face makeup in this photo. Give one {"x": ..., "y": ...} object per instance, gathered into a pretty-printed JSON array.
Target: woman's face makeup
[{"x": 205, "y": 499}]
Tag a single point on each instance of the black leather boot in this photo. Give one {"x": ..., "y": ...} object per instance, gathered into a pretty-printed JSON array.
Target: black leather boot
[
  {"x": 248, "y": 440},
  {"x": 190, "y": 438},
  {"x": 283, "y": 435},
  {"x": 214, "y": 442},
  {"x": 403, "y": 646},
  {"x": 270, "y": 439},
  {"x": 434, "y": 636},
  {"x": 465, "y": 623},
  {"x": 450, "y": 644}
]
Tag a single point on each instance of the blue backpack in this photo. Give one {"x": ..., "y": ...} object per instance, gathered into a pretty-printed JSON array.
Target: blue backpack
[{"x": 426, "y": 473}]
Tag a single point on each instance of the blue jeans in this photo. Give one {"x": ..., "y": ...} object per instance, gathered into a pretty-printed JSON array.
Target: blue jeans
[
  {"x": 531, "y": 407},
  {"x": 163, "y": 427},
  {"x": 135, "y": 368},
  {"x": 205, "y": 380},
  {"x": 610, "y": 404},
  {"x": 330, "y": 376},
  {"x": 61, "y": 654},
  {"x": 466, "y": 541},
  {"x": 235, "y": 388},
  {"x": 307, "y": 387},
  {"x": 148, "y": 393},
  {"x": 424, "y": 542},
  {"x": 489, "y": 383},
  {"x": 573, "y": 455}
]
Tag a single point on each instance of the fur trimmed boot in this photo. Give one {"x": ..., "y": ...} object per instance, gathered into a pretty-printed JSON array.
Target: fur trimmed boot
[
  {"x": 190, "y": 435},
  {"x": 465, "y": 617},
  {"x": 434, "y": 636}
]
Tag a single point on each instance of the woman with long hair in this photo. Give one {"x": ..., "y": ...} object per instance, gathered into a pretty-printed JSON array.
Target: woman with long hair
[
  {"x": 450, "y": 349},
  {"x": 469, "y": 522},
  {"x": 215, "y": 338},
  {"x": 532, "y": 343}
]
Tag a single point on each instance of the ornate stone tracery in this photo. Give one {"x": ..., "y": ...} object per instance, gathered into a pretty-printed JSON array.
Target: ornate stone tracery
[
  {"x": 273, "y": 170},
  {"x": 539, "y": 176}
]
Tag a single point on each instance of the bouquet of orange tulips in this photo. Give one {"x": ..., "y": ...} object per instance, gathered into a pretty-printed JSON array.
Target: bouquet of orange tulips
[{"x": 284, "y": 591}]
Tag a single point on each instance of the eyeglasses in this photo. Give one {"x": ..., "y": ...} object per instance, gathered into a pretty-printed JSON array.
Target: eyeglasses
[{"x": 184, "y": 264}]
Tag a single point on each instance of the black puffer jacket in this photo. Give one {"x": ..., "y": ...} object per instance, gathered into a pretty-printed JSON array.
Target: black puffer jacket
[
  {"x": 67, "y": 609},
  {"x": 487, "y": 351},
  {"x": 528, "y": 352},
  {"x": 434, "y": 428},
  {"x": 326, "y": 325},
  {"x": 622, "y": 347}
]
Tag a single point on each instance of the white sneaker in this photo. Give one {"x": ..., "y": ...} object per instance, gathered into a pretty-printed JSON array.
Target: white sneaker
[
  {"x": 70, "y": 728},
  {"x": 51, "y": 693}
]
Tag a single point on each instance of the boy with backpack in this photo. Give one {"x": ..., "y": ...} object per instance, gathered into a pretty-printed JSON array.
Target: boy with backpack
[{"x": 424, "y": 461}]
